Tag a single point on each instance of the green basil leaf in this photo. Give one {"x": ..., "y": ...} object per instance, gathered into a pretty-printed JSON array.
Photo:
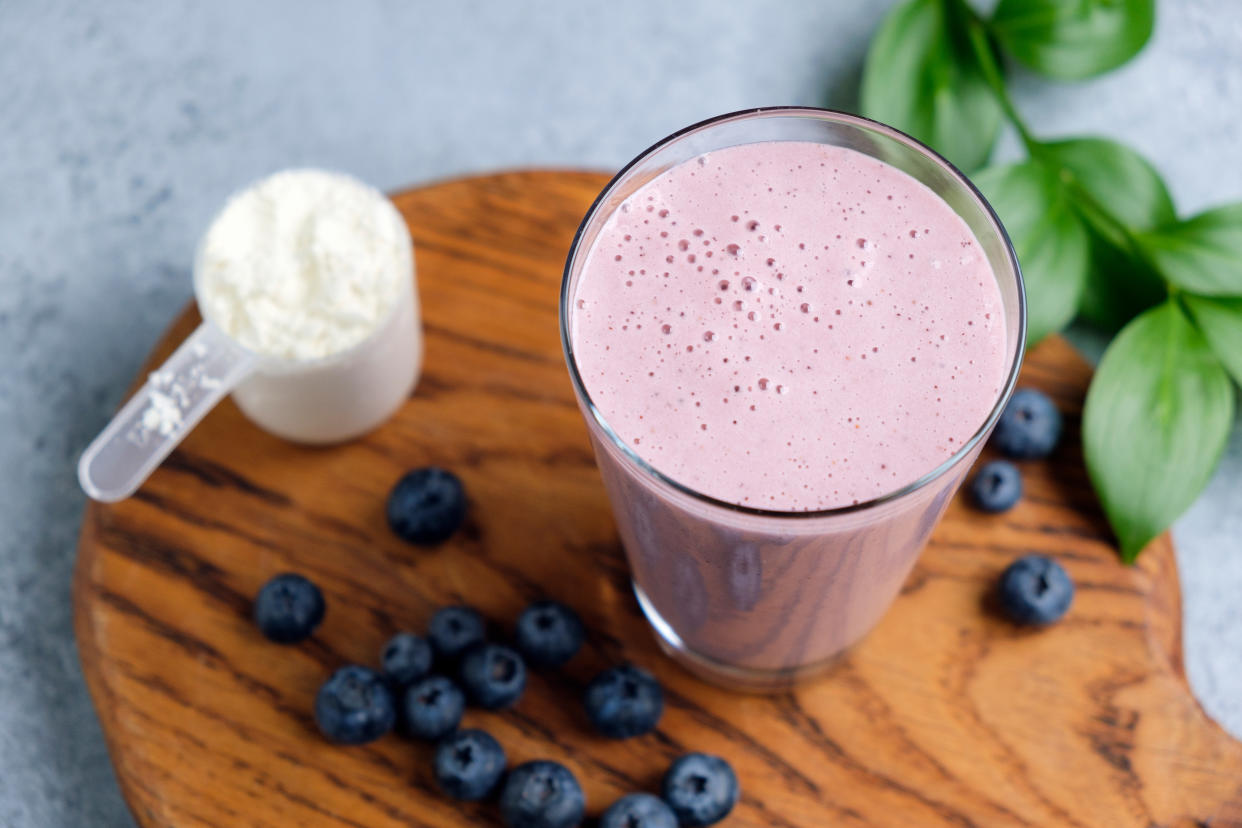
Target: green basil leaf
[
  {"x": 1119, "y": 285},
  {"x": 1221, "y": 323},
  {"x": 1049, "y": 238},
  {"x": 1110, "y": 183},
  {"x": 1073, "y": 39},
  {"x": 922, "y": 76},
  {"x": 1105, "y": 175},
  {"x": 1155, "y": 423},
  {"x": 1202, "y": 254}
]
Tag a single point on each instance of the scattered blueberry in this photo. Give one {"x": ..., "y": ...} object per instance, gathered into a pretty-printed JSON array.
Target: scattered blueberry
[
  {"x": 549, "y": 633},
  {"x": 996, "y": 487},
  {"x": 405, "y": 659},
  {"x": 426, "y": 506},
  {"x": 700, "y": 788},
  {"x": 624, "y": 701},
  {"x": 493, "y": 675},
  {"x": 354, "y": 706},
  {"x": 469, "y": 764},
  {"x": 454, "y": 630},
  {"x": 1035, "y": 590},
  {"x": 433, "y": 708},
  {"x": 638, "y": 810},
  {"x": 288, "y": 608},
  {"x": 541, "y": 794},
  {"x": 1029, "y": 427}
]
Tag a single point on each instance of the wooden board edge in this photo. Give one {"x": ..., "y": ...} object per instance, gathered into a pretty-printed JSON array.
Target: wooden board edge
[{"x": 97, "y": 686}]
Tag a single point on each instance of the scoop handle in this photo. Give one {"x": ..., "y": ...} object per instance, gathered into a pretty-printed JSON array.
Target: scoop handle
[{"x": 175, "y": 397}]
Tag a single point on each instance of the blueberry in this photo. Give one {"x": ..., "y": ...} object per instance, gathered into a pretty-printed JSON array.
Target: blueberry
[
  {"x": 288, "y": 608},
  {"x": 638, "y": 810},
  {"x": 493, "y": 675},
  {"x": 1035, "y": 590},
  {"x": 1029, "y": 427},
  {"x": 541, "y": 794},
  {"x": 432, "y": 708},
  {"x": 426, "y": 506},
  {"x": 549, "y": 633},
  {"x": 700, "y": 788},
  {"x": 996, "y": 487},
  {"x": 405, "y": 659},
  {"x": 469, "y": 764},
  {"x": 624, "y": 701},
  {"x": 454, "y": 630},
  {"x": 355, "y": 706}
]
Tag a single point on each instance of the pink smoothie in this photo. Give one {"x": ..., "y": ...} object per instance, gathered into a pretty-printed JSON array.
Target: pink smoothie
[{"x": 789, "y": 326}]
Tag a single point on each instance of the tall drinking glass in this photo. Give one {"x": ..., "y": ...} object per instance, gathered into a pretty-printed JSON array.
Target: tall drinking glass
[{"x": 752, "y": 598}]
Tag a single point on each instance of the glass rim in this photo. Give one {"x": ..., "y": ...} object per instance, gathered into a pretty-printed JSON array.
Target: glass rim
[{"x": 834, "y": 116}]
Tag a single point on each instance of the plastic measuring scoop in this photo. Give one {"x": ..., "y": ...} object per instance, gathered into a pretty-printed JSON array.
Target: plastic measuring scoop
[
  {"x": 175, "y": 397},
  {"x": 318, "y": 401}
]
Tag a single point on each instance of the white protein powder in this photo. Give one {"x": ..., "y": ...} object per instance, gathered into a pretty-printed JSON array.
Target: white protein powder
[{"x": 304, "y": 264}]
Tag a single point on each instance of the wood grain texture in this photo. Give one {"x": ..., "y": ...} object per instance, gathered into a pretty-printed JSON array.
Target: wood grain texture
[{"x": 944, "y": 716}]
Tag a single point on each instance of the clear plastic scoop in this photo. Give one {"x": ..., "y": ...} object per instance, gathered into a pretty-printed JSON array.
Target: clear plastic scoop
[
  {"x": 175, "y": 397},
  {"x": 320, "y": 400}
]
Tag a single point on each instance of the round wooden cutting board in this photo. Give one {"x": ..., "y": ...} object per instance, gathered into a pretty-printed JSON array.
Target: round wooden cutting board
[{"x": 944, "y": 715}]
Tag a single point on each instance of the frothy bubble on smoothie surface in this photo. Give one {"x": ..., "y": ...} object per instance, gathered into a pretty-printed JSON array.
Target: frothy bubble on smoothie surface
[{"x": 789, "y": 326}]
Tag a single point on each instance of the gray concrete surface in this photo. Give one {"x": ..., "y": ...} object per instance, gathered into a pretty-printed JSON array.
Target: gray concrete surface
[{"x": 123, "y": 125}]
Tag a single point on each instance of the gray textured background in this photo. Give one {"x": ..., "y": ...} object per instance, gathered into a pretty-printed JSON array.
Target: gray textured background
[{"x": 124, "y": 125}]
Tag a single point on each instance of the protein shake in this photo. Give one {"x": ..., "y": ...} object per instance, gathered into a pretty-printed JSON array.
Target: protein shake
[{"x": 794, "y": 328}]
